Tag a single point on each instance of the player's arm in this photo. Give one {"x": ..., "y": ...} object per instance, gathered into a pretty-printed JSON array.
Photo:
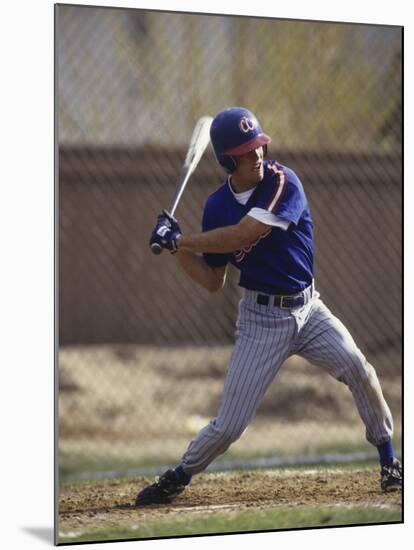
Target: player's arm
[
  {"x": 210, "y": 278},
  {"x": 224, "y": 239},
  {"x": 166, "y": 234}
]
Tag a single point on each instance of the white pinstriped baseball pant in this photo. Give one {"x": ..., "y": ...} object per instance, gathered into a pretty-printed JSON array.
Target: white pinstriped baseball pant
[{"x": 265, "y": 337}]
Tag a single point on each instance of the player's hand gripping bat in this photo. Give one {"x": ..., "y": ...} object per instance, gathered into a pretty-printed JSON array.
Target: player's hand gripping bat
[{"x": 198, "y": 143}]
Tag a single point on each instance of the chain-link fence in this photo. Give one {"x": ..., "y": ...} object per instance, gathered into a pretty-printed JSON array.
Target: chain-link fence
[{"x": 143, "y": 351}]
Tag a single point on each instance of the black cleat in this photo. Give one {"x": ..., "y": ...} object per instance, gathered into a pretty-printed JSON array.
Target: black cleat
[
  {"x": 166, "y": 487},
  {"x": 391, "y": 476}
]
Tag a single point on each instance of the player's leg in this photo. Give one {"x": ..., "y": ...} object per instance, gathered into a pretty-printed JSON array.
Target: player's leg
[
  {"x": 326, "y": 342},
  {"x": 264, "y": 336}
]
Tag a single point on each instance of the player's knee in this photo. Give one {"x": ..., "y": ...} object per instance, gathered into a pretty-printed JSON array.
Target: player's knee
[
  {"x": 229, "y": 432},
  {"x": 357, "y": 371},
  {"x": 365, "y": 370}
]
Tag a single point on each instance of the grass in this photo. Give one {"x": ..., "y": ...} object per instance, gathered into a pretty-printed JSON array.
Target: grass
[
  {"x": 237, "y": 522},
  {"x": 72, "y": 465}
]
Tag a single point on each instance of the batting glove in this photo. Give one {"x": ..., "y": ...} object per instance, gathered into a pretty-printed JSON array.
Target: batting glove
[
  {"x": 166, "y": 233},
  {"x": 174, "y": 223}
]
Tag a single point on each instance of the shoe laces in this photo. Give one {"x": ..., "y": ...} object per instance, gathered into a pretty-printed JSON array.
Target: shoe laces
[
  {"x": 166, "y": 482},
  {"x": 393, "y": 469}
]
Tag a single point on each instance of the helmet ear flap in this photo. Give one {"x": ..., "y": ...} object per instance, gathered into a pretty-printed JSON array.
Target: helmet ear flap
[
  {"x": 231, "y": 163},
  {"x": 227, "y": 162}
]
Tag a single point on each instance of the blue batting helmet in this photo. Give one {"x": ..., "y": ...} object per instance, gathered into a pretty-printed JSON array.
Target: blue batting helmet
[{"x": 234, "y": 132}]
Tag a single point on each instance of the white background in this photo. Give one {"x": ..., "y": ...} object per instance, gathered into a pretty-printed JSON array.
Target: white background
[{"x": 26, "y": 217}]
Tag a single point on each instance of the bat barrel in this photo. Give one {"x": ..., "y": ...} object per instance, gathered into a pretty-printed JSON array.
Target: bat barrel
[{"x": 198, "y": 143}]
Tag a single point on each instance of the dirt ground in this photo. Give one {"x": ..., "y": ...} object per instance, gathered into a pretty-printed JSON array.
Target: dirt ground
[{"x": 85, "y": 506}]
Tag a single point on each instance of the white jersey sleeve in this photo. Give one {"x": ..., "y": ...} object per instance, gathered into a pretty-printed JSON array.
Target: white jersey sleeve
[{"x": 268, "y": 218}]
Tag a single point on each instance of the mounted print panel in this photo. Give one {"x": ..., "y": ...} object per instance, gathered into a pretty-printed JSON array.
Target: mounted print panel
[{"x": 277, "y": 227}]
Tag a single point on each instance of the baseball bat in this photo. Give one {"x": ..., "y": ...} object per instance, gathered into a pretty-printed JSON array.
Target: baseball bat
[{"x": 198, "y": 143}]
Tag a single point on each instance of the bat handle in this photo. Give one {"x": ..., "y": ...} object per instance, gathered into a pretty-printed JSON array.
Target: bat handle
[{"x": 156, "y": 248}]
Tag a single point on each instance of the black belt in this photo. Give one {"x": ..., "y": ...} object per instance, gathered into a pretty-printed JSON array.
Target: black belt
[{"x": 288, "y": 301}]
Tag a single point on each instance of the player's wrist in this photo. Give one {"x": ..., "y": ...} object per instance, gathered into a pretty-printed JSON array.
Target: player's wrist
[
  {"x": 175, "y": 242},
  {"x": 185, "y": 242}
]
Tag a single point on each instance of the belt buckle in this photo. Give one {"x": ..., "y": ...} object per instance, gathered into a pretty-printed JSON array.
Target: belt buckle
[
  {"x": 294, "y": 301},
  {"x": 282, "y": 299}
]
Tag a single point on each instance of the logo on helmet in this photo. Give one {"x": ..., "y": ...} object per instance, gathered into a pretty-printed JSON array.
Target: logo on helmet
[{"x": 246, "y": 124}]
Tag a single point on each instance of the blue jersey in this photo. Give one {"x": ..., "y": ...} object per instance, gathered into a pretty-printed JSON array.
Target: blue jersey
[{"x": 281, "y": 260}]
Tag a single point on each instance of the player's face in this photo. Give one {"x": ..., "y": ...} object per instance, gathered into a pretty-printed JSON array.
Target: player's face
[{"x": 249, "y": 170}]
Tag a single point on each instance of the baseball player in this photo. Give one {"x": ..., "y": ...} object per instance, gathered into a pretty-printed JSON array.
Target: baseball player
[{"x": 259, "y": 221}]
